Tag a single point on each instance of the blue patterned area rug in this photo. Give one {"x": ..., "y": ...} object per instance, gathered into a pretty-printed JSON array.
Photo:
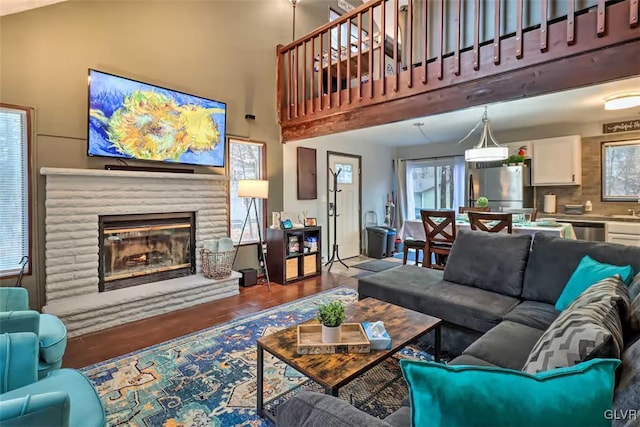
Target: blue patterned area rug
[{"x": 208, "y": 378}]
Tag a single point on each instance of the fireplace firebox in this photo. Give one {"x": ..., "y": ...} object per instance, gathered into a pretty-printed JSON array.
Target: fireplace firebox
[{"x": 144, "y": 248}]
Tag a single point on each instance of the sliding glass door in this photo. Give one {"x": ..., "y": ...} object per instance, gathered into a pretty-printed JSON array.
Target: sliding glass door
[{"x": 435, "y": 184}]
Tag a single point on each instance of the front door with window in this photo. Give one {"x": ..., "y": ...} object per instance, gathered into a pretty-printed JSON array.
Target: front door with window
[{"x": 347, "y": 204}]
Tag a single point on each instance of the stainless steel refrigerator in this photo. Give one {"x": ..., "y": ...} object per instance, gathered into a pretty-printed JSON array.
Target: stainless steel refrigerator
[{"x": 504, "y": 186}]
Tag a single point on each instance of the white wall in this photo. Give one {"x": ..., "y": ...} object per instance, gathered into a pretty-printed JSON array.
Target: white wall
[{"x": 376, "y": 178}]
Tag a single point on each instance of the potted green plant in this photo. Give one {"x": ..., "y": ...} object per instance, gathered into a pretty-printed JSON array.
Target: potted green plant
[
  {"x": 331, "y": 316},
  {"x": 482, "y": 202}
]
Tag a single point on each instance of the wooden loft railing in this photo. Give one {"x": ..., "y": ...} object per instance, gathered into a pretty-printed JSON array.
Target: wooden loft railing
[{"x": 380, "y": 63}]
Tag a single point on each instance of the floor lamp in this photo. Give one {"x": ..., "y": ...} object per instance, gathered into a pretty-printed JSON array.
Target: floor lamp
[{"x": 254, "y": 189}]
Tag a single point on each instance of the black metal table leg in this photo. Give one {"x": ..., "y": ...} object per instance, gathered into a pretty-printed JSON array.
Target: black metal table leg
[
  {"x": 332, "y": 391},
  {"x": 436, "y": 356},
  {"x": 259, "y": 391}
]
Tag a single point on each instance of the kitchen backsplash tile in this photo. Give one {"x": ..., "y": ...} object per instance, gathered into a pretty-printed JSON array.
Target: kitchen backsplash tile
[{"x": 591, "y": 180}]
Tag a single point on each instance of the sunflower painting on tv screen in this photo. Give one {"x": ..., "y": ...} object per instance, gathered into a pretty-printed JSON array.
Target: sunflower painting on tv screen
[{"x": 135, "y": 120}]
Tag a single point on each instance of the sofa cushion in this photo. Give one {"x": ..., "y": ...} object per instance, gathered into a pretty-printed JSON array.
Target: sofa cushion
[
  {"x": 465, "y": 359},
  {"x": 553, "y": 260},
  {"x": 311, "y": 409},
  {"x": 456, "y": 396},
  {"x": 589, "y": 328},
  {"x": 492, "y": 261},
  {"x": 539, "y": 315},
  {"x": 590, "y": 272},
  {"x": 627, "y": 393},
  {"x": 419, "y": 289},
  {"x": 400, "y": 418},
  {"x": 507, "y": 345}
]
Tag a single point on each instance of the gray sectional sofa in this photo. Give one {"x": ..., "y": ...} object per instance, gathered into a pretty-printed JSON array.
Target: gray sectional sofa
[{"x": 496, "y": 298}]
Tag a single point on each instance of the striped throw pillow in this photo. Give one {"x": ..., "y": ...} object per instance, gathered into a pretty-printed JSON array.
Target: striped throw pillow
[{"x": 589, "y": 328}]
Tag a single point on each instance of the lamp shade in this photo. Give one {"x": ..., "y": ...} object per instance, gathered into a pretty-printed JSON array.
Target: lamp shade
[
  {"x": 257, "y": 188},
  {"x": 486, "y": 154}
]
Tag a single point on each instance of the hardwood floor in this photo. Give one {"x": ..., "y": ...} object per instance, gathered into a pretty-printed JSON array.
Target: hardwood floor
[{"x": 96, "y": 347}]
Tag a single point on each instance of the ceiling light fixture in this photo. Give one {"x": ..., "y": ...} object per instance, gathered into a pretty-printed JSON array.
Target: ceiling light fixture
[
  {"x": 482, "y": 151},
  {"x": 620, "y": 102}
]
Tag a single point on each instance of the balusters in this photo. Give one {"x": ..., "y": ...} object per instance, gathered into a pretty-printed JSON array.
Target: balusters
[
  {"x": 570, "y": 22},
  {"x": 456, "y": 54},
  {"x": 519, "y": 30},
  {"x": 349, "y": 62},
  {"x": 339, "y": 63},
  {"x": 396, "y": 12},
  {"x": 496, "y": 33},
  {"x": 601, "y": 18},
  {"x": 359, "y": 74},
  {"x": 371, "y": 52},
  {"x": 423, "y": 40},
  {"x": 476, "y": 35},
  {"x": 383, "y": 34},
  {"x": 440, "y": 37},
  {"x": 295, "y": 81},
  {"x": 544, "y": 25},
  {"x": 312, "y": 85},
  {"x": 409, "y": 43},
  {"x": 321, "y": 76},
  {"x": 304, "y": 78}
]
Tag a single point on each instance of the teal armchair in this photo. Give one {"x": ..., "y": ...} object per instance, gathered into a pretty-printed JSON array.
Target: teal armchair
[
  {"x": 65, "y": 398},
  {"x": 15, "y": 316}
]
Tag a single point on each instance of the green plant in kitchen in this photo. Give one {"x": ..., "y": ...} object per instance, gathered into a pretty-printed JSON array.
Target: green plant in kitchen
[
  {"x": 331, "y": 315},
  {"x": 514, "y": 159},
  {"x": 482, "y": 202}
]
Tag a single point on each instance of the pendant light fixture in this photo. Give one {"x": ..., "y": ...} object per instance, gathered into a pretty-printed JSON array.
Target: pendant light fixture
[{"x": 483, "y": 152}]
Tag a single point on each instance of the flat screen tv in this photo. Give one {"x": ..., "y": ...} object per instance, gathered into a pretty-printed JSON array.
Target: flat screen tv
[{"x": 134, "y": 120}]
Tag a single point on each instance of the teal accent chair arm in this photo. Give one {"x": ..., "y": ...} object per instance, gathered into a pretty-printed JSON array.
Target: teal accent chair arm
[
  {"x": 14, "y": 299},
  {"x": 45, "y": 409},
  {"x": 20, "y": 321},
  {"x": 18, "y": 360},
  {"x": 26, "y": 401}
]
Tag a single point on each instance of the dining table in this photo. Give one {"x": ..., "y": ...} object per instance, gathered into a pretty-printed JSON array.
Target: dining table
[{"x": 414, "y": 229}]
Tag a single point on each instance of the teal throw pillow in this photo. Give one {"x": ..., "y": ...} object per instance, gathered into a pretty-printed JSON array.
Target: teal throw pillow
[
  {"x": 590, "y": 272},
  {"x": 467, "y": 396}
]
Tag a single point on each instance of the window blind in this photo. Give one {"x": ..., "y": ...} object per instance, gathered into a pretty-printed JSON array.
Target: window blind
[{"x": 14, "y": 190}]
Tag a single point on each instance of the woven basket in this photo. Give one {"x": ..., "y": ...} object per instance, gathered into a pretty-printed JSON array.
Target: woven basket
[{"x": 216, "y": 265}]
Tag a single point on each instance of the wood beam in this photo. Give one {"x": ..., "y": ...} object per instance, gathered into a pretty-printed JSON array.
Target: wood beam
[{"x": 606, "y": 64}]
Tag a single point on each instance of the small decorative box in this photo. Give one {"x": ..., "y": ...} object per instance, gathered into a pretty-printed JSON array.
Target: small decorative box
[{"x": 377, "y": 335}]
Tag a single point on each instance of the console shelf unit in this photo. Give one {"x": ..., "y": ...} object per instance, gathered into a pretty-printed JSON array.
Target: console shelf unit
[{"x": 288, "y": 265}]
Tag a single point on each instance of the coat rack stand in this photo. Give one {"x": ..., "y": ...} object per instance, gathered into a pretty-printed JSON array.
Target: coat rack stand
[{"x": 333, "y": 211}]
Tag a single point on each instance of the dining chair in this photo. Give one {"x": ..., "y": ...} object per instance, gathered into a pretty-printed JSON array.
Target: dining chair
[
  {"x": 532, "y": 212},
  {"x": 492, "y": 222},
  {"x": 465, "y": 209},
  {"x": 417, "y": 245},
  {"x": 440, "y": 232}
]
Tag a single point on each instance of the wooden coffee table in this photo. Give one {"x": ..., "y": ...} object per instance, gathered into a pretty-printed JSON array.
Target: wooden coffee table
[{"x": 333, "y": 371}]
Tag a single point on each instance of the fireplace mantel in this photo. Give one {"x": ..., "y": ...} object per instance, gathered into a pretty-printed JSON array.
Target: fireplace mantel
[
  {"x": 131, "y": 174},
  {"x": 75, "y": 198}
]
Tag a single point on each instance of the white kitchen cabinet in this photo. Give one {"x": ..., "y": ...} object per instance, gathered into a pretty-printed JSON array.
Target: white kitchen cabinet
[
  {"x": 557, "y": 161},
  {"x": 624, "y": 233}
]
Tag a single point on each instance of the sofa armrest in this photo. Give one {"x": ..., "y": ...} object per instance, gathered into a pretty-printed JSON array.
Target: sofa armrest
[
  {"x": 310, "y": 409},
  {"x": 20, "y": 321},
  {"x": 46, "y": 409},
  {"x": 13, "y": 299}
]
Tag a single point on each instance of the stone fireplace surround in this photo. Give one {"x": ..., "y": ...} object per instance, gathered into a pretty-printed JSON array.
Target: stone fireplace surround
[{"x": 74, "y": 200}]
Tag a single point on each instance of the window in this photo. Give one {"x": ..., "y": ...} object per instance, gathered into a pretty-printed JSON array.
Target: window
[
  {"x": 14, "y": 188},
  {"x": 621, "y": 171},
  {"x": 435, "y": 184},
  {"x": 246, "y": 161}
]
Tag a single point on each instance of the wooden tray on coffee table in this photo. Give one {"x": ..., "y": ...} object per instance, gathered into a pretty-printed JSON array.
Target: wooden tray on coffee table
[{"x": 353, "y": 339}]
